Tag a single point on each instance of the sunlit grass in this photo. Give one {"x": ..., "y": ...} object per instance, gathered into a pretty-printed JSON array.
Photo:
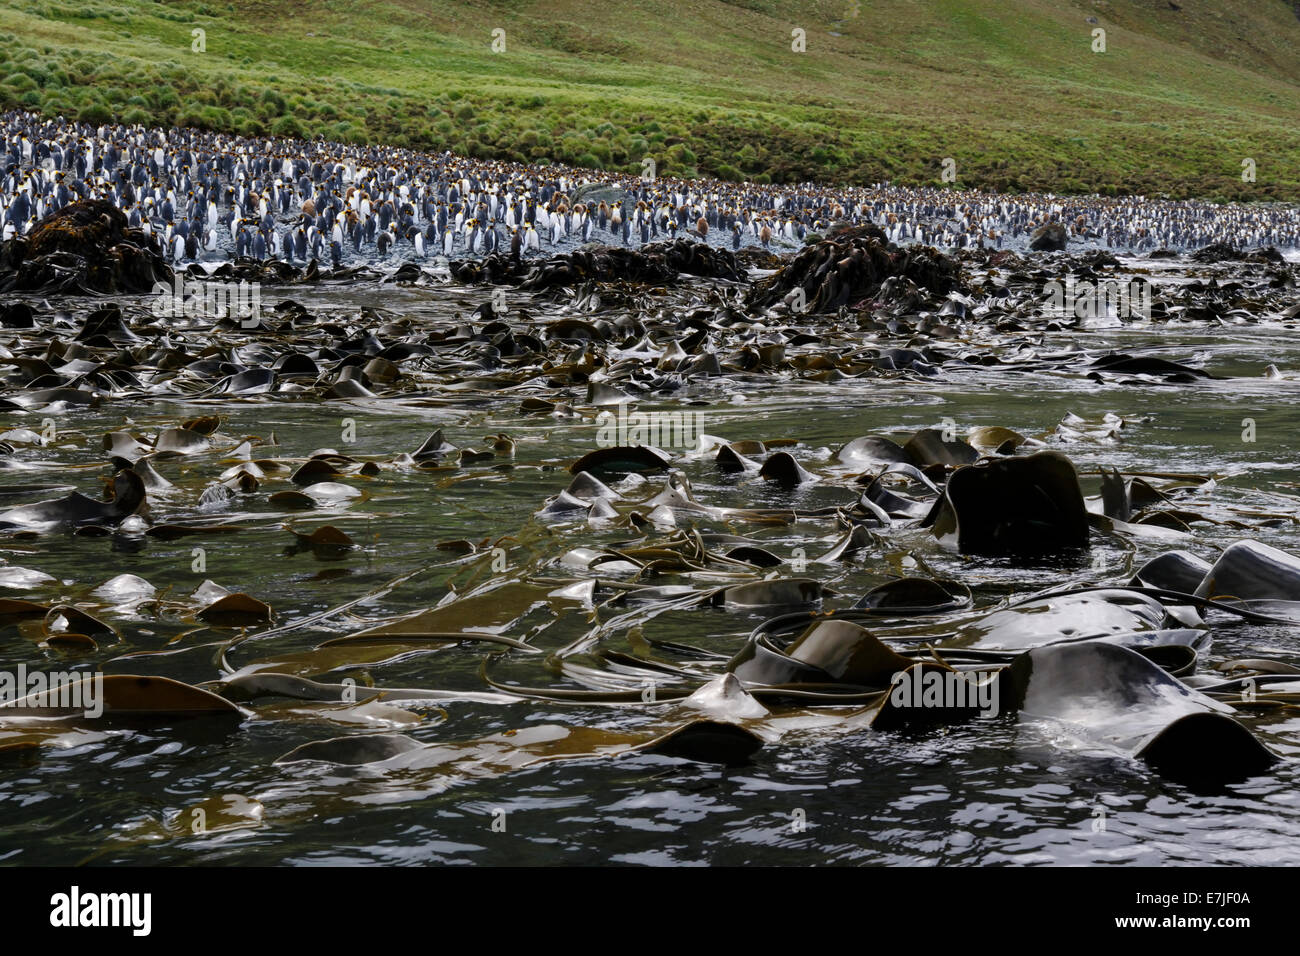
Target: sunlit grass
[{"x": 1010, "y": 90}]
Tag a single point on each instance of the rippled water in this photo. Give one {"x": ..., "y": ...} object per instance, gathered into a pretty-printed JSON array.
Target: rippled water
[{"x": 985, "y": 792}]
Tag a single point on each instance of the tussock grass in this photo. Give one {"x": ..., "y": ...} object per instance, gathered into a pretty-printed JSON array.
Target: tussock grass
[{"x": 1010, "y": 89}]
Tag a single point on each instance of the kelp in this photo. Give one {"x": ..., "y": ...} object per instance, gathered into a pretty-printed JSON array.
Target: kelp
[
  {"x": 123, "y": 696},
  {"x": 77, "y": 509},
  {"x": 1257, "y": 578},
  {"x": 1122, "y": 700},
  {"x": 700, "y": 739},
  {"x": 1014, "y": 506},
  {"x": 804, "y": 613}
]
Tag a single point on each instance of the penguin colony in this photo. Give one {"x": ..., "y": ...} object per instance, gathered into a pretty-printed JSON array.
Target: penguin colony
[{"x": 208, "y": 197}]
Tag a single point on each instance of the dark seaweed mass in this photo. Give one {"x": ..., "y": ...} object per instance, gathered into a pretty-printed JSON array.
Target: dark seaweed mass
[
  {"x": 656, "y": 262},
  {"x": 85, "y": 247},
  {"x": 850, "y": 268}
]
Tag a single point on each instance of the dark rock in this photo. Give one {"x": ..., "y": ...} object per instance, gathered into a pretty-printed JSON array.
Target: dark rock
[
  {"x": 592, "y": 194},
  {"x": 1051, "y": 237}
]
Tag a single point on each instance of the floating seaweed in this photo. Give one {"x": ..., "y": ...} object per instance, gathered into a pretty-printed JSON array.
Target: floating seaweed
[{"x": 481, "y": 585}]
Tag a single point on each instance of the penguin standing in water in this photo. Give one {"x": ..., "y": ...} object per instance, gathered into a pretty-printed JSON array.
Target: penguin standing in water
[
  {"x": 735, "y": 234},
  {"x": 516, "y": 243},
  {"x": 417, "y": 240}
]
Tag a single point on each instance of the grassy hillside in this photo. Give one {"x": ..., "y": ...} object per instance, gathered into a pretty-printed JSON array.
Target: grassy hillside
[{"x": 1010, "y": 89}]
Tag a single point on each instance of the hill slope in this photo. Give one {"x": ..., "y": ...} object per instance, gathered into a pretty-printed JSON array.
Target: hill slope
[{"x": 1011, "y": 90}]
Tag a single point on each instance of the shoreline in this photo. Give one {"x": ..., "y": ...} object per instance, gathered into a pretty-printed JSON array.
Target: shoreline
[{"x": 253, "y": 197}]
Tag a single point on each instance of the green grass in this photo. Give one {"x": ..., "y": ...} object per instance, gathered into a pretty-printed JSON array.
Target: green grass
[{"x": 1010, "y": 89}]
